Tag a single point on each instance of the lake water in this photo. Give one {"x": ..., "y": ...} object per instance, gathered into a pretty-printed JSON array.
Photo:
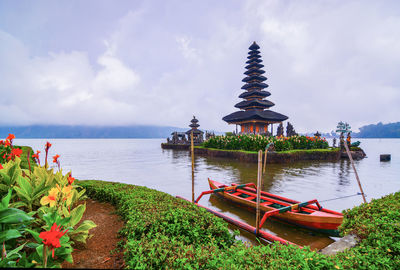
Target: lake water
[{"x": 143, "y": 162}]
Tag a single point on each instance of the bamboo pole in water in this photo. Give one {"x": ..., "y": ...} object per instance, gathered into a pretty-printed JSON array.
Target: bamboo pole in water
[
  {"x": 192, "y": 151},
  {"x": 355, "y": 171},
  {"x": 265, "y": 158},
  {"x": 259, "y": 186}
]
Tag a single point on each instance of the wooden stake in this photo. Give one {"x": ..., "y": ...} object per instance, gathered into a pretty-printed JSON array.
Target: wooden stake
[
  {"x": 192, "y": 150},
  {"x": 355, "y": 171},
  {"x": 265, "y": 160},
  {"x": 259, "y": 186}
]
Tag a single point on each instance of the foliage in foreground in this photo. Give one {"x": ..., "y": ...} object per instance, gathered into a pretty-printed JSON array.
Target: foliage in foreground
[
  {"x": 40, "y": 212},
  {"x": 259, "y": 142},
  {"x": 163, "y": 232}
]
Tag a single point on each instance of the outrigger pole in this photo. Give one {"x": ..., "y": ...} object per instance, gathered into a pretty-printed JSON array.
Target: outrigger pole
[
  {"x": 246, "y": 227},
  {"x": 355, "y": 171}
]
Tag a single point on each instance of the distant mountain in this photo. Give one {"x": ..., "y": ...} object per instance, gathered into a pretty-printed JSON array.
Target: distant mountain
[
  {"x": 391, "y": 130},
  {"x": 61, "y": 131}
]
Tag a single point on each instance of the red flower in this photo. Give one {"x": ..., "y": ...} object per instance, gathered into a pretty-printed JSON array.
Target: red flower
[
  {"x": 1, "y": 166},
  {"x": 52, "y": 238},
  {"x": 16, "y": 152},
  {"x": 70, "y": 179},
  {"x": 1, "y": 142},
  {"x": 10, "y": 137},
  {"x": 7, "y": 143},
  {"x": 55, "y": 158},
  {"x": 36, "y": 157},
  {"x": 47, "y": 146}
]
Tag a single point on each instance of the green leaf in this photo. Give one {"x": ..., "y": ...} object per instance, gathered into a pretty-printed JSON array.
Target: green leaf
[
  {"x": 39, "y": 251},
  {"x": 80, "y": 237},
  {"x": 13, "y": 216},
  {"x": 22, "y": 194},
  {"x": 15, "y": 251},
  {"x": 25, "y": 185},
  {"x": 76, "y": 214},
  {"x": 5, "y": 177},
  {"x": 39, "y": 192},
  {"x": 6, "y": 200},
  {"x": 32, "y": 245},
  {"x": 14, "y": 172},
  {"x": 85, "y": 226},
  {"x": 18, "y": 204},
  {"x": 4, "y": 188},
  {"x": 9, "y": 234},
  {"x": 35, "y": 235}
]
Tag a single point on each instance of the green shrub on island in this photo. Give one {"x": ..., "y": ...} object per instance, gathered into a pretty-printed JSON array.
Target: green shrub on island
[
  {"x": 163, "y": 232},
  {"x": 259, "y": 142}
]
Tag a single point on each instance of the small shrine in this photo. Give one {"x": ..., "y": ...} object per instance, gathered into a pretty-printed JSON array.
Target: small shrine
[
  {"x": 182, "y": 140},
  {"x": 254, "y": 116},
  {"x": 197, "y": 134}
]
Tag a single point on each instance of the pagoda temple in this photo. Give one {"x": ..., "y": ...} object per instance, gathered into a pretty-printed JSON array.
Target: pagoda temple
[
  {"x": 197, "y": 134},
  {"x": 254, "y": 115}
]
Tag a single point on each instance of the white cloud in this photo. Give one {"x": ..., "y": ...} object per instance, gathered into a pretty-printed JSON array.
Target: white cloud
[{"x": 325, "y": 62}]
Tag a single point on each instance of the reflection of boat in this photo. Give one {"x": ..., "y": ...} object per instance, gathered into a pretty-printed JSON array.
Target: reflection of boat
[{"x": 308, "y": 216}]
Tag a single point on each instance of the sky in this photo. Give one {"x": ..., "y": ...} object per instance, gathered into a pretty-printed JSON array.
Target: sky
[{"x": 97, "y": 62}]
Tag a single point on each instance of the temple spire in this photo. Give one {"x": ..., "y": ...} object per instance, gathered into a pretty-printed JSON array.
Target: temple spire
[{"x": 254, "y": 115}]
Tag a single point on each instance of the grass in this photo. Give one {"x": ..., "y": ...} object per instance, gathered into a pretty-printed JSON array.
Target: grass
[{"x": 163, "y": 232}]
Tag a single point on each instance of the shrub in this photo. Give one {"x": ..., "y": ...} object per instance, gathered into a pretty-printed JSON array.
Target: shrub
[
  {"x": 259, "y": 142},
  {"x": 163, "y": 232}
]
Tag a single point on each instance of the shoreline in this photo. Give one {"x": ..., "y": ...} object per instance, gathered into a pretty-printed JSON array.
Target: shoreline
[{"x": 329, "y": 155}]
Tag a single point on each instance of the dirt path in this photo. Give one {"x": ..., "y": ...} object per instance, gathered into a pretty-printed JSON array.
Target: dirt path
[{"x": 96, "y": 253}]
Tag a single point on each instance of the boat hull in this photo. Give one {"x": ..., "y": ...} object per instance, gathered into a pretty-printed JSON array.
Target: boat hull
[{"x": 325, "y": 221}]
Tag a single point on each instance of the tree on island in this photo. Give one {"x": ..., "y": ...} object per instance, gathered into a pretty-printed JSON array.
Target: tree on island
[
  {"x": 290, "y": 130},
  {"x": 343, "y": 128},
  {"x": 279, "y": 132}
]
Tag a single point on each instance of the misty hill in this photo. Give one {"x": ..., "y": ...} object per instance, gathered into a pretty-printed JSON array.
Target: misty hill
[
  {"x": 61, "y": 131},
  {"x": 391, "y": 130}
]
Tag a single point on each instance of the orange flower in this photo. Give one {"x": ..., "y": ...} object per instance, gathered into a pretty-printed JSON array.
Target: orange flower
[
  {"x": 67, "y": 194},
  {"x": 51, "y": 198},
  {"x": 55, "y": 158},
  {"x": 7, "y": 143}
]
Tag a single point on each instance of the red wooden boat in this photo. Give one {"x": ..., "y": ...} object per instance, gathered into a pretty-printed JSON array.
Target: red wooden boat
[{"x": 300, "y": 214}]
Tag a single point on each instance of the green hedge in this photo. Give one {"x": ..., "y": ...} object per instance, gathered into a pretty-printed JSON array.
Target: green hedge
[
  {"x": 163, "y": 232},
  {"x": 259, "y": 142}
]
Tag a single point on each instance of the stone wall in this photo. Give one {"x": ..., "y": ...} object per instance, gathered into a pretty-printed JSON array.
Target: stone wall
[{"x": 273, "y": 157}]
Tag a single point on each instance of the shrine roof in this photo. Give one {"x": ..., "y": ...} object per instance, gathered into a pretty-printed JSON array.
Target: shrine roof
[
  {"x": 266, "y": 115},
  {"x": 254, "y": 102}
]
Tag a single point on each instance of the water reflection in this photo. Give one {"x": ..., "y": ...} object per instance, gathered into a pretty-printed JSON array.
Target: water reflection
[{"x": 344, "y": 173}]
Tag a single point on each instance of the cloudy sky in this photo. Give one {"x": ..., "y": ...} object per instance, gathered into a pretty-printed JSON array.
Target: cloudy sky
[{"x": 160, "y": 62}]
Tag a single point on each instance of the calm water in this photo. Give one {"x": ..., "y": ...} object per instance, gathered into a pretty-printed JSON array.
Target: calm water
[{"x": 143, "y": 162}]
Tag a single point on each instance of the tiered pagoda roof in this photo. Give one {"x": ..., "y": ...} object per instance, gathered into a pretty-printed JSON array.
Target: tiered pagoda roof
[
  {"x": 194, "y": 127},
  {"x": 254, "y": 106}
]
